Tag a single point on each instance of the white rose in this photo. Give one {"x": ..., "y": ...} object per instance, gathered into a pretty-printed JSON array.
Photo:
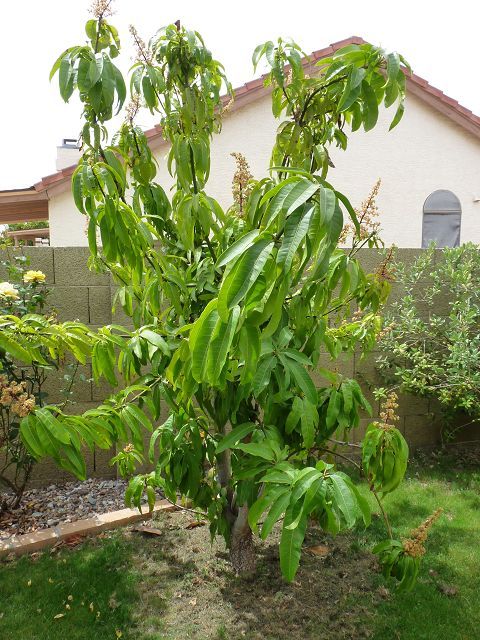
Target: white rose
[{"x": 7, "y": 290}]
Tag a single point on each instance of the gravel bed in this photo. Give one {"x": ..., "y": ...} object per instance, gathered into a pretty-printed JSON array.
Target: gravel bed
[{"x": 58, "y": 504}]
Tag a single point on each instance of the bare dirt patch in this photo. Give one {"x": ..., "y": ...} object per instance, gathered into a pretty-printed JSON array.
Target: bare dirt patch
[{"x": 190, "y": 591}]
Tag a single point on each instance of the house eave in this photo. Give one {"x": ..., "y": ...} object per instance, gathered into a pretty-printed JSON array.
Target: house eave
[{"x": 23, "y": 205}]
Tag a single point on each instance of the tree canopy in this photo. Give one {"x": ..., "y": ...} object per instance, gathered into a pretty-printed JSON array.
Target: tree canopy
[{"x": 232, "y": 309}]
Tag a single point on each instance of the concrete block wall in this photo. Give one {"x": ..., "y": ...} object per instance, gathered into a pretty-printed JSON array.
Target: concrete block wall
[
  {"x": 75, "y": 293},
  {"x": 78, "y": 293}
]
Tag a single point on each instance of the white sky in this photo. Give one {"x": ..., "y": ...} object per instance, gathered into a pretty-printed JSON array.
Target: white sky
[{"x": 439, "y": 39}]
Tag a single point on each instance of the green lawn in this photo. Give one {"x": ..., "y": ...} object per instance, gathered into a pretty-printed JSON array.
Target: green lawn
[
  {"x": 452, "y": 562},
  {"x": 178, "y": 586}
]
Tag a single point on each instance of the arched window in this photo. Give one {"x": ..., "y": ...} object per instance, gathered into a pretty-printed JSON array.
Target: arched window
[{"x": 442, "y": 215}]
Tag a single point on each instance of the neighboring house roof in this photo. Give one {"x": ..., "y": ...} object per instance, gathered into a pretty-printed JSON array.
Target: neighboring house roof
[
  {"x": 23, "y": 205},
  {"x": 245, "y": 94}
]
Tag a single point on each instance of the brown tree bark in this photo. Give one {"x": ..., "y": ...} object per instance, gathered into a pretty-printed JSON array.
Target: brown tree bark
[{"x": 242, "y": 549}]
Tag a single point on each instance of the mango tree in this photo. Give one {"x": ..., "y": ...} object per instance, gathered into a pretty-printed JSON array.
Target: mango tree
[{"x": 231, "y": 309}]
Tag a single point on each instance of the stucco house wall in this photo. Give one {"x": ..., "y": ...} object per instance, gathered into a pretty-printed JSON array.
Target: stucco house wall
[{"x": 425, "y": 152}]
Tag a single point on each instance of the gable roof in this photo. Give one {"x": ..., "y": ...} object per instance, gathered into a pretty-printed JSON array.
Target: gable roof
[{"x": 255, "y": 89}]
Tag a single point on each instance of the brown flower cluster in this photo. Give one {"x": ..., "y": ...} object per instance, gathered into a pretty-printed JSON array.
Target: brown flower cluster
[
  {"x": 386, "y": 270},
  {"x": 414, "y": 545},
  {"x": 367, "y": 215},
  {"x": 228, "y": 105},
  {"x": 132, "y": 107},
  {"x": 143, "y": 53},
  {"x": 15, "y": 398},
  {"x": 101, "y": 9},
  {"x": 386, "y": 330},
  {"x": 240, "y": 184},
  {"x": 128, "y": 448},
  {"x": 358, "y": 315},
  {"x": 388, "y": 411}
]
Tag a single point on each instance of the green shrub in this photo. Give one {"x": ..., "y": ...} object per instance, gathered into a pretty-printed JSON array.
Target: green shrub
[{"x": 432, "y": 347}]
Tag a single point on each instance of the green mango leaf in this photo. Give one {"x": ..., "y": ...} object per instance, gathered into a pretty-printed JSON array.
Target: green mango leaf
[
  {"x": 343, "y": 498},
  {"x": 296, "y": 229},
  {"x": 242, "y": 276},
  {"x": 155, "y": 339},
  {"x": 256, "y": 449},
  {"x": 237, "y": 248},
  {"x": 289, "y": 196},
  {"x": 352, "y": 88},
  {"x": 398, "y": 116},
  {"x": 309, "y": 420},
  {"x": 328, "y": 202},
  {"x": 276, "y": 511},
  {"x": 54, "y": 427},
  {"x": 291, "y": 541},
  {"x": 259, "y": 506},
  {"x": 13, "y": 348},
  {"x": 370, "y": 110},
  {"x": 334, "y": 408},
  {"x": 233, "y": 438},
  {"x": 393, "y": 67},
  {"x": 263, "y": 374},
  {"x": 199, "y": 340},
  {"x": 219, "y": 346},
  {"x": 301, "y": 377},
  {"x": 73, "y": 462},
  {"x": 304, "y": 480},
  {"x": 30, "y": 437},
  {"x": 294, "y": 416},
  {"x": 250, "y": 346}
]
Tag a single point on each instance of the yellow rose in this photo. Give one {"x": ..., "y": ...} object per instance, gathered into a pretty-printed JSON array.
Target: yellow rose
[
  {"x": 34, "y": 276},
  {"x": 7, "y": 290}
]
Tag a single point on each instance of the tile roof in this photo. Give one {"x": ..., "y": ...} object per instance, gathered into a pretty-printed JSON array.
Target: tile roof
[{"x": 255, "y": 88}]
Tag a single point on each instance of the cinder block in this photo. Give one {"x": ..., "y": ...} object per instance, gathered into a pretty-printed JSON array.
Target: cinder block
[
  {"x": 468, "y": 433},
  {"x": 70, "y": 303},
  {"x": 99, "y": 305},
  {"x": 41, "y": 259},
  {"x": 438, "y": 257},
  {"x": 47, "y": 472},
  {"x": 99, "y": 464},
  {"x": 71, "y": 267},
  {"x": 76, "y": 408},
  {"x": 408, "y": 404},
  {"x": 342, "y": 365},
  {"x": 370, "y": 259},
  {"x": 81, "y": 389},
  {"x": 422, "y": 430},
  {"x": 407, "y": 255},
  {"x": 101, "y": 390},
  {"x": 358, "y": 433}
]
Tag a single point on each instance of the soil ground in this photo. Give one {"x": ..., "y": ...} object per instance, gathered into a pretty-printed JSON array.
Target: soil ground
[{"x": 209, "y": 601}]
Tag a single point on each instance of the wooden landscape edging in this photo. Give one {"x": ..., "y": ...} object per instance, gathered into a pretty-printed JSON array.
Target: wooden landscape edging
[{"x": 43, "y": 538}]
